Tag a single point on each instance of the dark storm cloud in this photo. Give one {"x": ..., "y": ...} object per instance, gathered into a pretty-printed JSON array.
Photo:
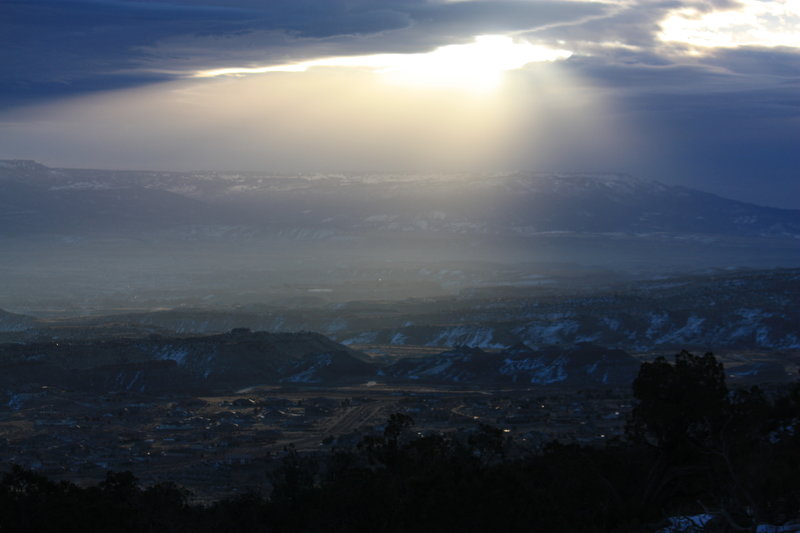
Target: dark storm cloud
[
  {"x": 728, "y": 122},
  {"x": 784, "y": 63},
  {"x": 730, "y": 83},
  {"x": 58, "y": 47},
  {"x": 50, "y": 48}
]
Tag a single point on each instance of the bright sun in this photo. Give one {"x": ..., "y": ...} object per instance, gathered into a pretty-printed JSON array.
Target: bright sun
[{"x": 476, "y": 66}]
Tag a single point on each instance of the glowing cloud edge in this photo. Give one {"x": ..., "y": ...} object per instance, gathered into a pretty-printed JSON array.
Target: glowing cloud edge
[{"x": 478, "y": 64}]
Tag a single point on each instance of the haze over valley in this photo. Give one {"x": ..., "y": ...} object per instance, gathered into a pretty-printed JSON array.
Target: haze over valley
[
  {"x": 88, "y": 241},
  {"x": 246, "y": 312},
  {"x": 400, "y": 266}
]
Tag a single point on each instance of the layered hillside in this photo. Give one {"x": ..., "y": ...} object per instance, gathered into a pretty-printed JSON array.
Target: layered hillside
[
  {"x": 164, "y": 364},
  {"x": 241, "y": 358},
  {"x": 580, "y": 366},
  {"x": 747, "y": 310}
]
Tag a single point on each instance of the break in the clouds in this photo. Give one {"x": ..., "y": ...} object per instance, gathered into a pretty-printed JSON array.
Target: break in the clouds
[
  {"x": 700, "y": 92},
  {"x": 52, "y": 47}
]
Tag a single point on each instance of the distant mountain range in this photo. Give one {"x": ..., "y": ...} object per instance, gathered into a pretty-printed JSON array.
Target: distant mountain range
[
  {"x": 96, "y": 239},
  {"x": 35, "y": 198}
]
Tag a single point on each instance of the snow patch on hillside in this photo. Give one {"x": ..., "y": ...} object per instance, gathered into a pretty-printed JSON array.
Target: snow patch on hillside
[
  {"x": 309, "y": 375},
  {"x": 480, "y": 337},
  {"x": 172, "y": 353}
]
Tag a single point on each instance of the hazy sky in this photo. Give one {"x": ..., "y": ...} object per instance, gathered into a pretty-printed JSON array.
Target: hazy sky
[{"x": 700, "y": 93}]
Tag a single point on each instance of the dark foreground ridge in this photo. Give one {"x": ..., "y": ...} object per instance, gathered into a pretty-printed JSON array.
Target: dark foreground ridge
[
  {"x": 692, "y": 448},
  {"x": 583, "y": 365},
  {"x": 242, "y": 358},
  {"x": 182, "y": 364}
]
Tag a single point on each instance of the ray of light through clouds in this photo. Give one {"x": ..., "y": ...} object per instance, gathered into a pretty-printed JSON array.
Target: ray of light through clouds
[
  {"x": 474, "y": 66},
  {"x": 698, "y": 92}
]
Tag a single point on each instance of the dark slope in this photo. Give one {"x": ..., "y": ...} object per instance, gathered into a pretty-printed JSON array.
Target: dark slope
[
  {"x": 15, "y": 322},
  {"x": 240, "y": 359},
  {"x": 582, "y": 365},
  {"x": 166, "y": 364}
]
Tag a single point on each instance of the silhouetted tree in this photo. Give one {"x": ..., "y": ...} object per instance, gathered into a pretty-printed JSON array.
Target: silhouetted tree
[{"x": 679, "y": 404}]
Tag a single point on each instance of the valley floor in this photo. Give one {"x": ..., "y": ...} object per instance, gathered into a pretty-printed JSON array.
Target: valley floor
[{"x": 219, "y": 445}]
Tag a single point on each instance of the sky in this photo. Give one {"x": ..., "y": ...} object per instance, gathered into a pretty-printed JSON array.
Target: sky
[{"x": 701, "y": 93}]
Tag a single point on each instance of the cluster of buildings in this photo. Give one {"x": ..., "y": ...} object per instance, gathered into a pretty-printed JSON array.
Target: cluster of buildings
[{"x": 216, "y": 446}]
